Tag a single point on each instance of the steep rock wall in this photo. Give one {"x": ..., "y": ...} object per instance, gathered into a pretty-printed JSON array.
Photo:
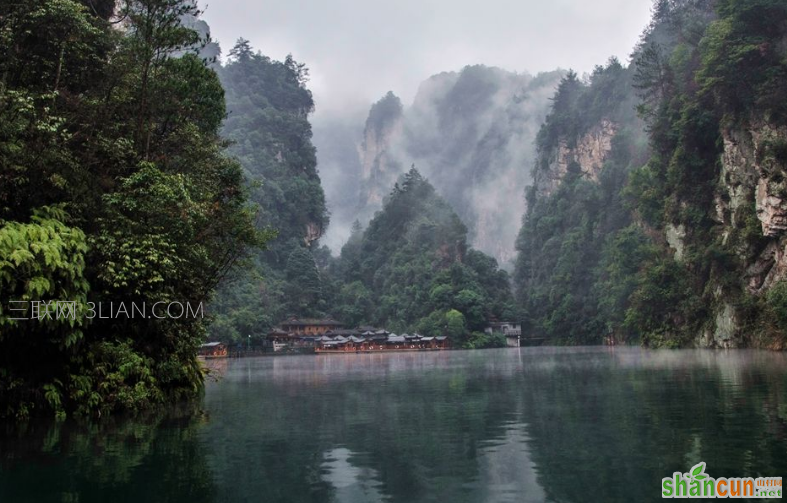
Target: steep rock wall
[
  {"x": 378, "y": 170},
  {"x": 590, "y": 152},
  {"x": 751, "y": 208}
]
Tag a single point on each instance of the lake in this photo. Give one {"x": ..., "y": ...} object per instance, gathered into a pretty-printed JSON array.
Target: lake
[{"x": 519, "y": 424}]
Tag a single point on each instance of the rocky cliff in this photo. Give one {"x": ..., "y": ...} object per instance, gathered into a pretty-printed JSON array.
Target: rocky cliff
[
  {"x": 379, "y": 169},
  {"x": 588, "y": 153},
  {"x": 751, "y": 210},
  {"x": 668, "y": 227},
  {"x": 472, "y": 135}
]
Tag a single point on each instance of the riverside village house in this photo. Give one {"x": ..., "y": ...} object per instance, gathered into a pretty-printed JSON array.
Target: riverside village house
[
  {"x": 511, "y": 330},
  {"x": 330, "y": 336}
]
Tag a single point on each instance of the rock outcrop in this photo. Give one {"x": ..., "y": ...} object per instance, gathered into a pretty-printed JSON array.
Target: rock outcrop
[
  {"x": 751, "y": 208},
  {"x": 378, "y": 169},
  {"x": 753, "y": 184},
  {"x": 589, "y": 153},
  {"x": 471, "y": 133}
]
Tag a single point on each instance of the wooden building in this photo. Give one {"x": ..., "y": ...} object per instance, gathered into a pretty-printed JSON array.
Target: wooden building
[
  {"x": 213, "y": 350},
  {"x": 511, "y": 330},
  {"x": 330, "y": 336},
  {"x": 308, "y": 326},
  {"x": 371, "y": 342}
]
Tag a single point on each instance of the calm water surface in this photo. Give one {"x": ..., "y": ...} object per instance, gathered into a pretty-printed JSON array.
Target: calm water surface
[{"x": 524, "y": 425}]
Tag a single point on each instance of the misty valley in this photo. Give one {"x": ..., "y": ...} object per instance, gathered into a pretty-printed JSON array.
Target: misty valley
[{"x": 444, "y": 279}]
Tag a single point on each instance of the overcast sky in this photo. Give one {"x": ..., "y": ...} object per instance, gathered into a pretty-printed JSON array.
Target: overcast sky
[{"x": 359, "y": 49}]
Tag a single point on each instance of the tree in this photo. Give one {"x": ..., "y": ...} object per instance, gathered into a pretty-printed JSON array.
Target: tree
[
  {"x": 115, "y": 188},
  {"x": 412, "y": 265},
  {"x": 268, "y": 106},
  {"x": 304, "y": 285},
  {"x": 455, "y": 325}
]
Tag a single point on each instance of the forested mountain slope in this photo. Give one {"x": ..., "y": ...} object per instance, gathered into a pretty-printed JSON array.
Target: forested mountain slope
[
  {"x": 114, "y": 189},
  {"x": 679, "y": 242},
  {"x": 412, "y": 269},
  {"x": 268, "y": 126}
]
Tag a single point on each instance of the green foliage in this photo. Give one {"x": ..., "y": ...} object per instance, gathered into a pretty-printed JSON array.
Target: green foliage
[
  {"x": 743, "y": 62},
  {"x": 777, "y": 304},
  {"x": 120, "y": 127},
  {"x": 385, "y": 111},
  {"x": 411, "y": 269},
  {"x": 590, "y": 252},
  {"x": 303, "y": 288},
  {"x": 42, "y": 261},
  {"x": 570, "y": 242},
  {"x": 663, "y": 308},
  {"x": 267, "y": 124},
  {"x": 577, "y": 106},
  {"x": 481, "y": 340}
]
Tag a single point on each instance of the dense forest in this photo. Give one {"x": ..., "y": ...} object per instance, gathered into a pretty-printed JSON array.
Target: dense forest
[
  {"x": 675, "y": 240},
  {"x": 115, "y": 186},
  {"x": 267, "y": 124},
  {"x": 412, "y": 269}
]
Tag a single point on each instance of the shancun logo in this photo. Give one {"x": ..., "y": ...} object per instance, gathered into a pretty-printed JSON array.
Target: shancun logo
[{"x": 698, "y": 484}]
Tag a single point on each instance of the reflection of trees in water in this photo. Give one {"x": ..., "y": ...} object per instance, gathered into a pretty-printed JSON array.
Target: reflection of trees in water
[
  {"x": 152, "y": 458},
  {"x": 411, "y": 438},
  {"x": 472, "y": 426},
  {"x": 620, "y": 430},
  {"x": 551, "y": 426}
]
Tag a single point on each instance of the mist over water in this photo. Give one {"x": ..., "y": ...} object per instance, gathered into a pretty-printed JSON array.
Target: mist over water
[{"x": 528, "y": 424}]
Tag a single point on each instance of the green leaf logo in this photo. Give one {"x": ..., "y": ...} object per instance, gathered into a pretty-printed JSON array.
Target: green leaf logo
[{"x": 696, "y": 470}]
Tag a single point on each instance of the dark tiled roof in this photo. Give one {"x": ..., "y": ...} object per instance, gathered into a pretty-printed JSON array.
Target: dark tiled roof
[{"x": 343, "y": 332}]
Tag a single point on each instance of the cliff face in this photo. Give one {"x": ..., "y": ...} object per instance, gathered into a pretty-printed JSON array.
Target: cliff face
[
  {"x": 379, "y": 169},
  {"x": 751, "y": 208},
  {"x": 375, "y": 163},
  {"x": 471, "y": 133},
  {"x": 668, "y": 227},
  {"x": 589, "y": 153}
]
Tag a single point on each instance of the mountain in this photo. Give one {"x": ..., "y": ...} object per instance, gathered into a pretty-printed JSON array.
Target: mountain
[
  {"x": 412, "y": 269},
  {"x": 472, "y": 134},
  {"x": 669, "y": 226},
  {"x": 267, "y": 125}
]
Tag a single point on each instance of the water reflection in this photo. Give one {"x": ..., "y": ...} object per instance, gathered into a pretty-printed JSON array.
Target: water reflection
[
  {"x": 350, "y": 483},
  {"x": 506, "y": 472},
  {"x": 526, "y": 425},
  {"x": 120, "y": 461}
]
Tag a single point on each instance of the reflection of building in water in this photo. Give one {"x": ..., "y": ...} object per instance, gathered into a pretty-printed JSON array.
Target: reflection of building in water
[
  {"x": 511, "y": 330},
  {"x": 352, "y": 483}
]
